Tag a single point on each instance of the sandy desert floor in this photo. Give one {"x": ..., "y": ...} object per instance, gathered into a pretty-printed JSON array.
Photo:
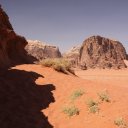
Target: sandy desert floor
[
  {"x": 91, "y": 82},
  {"x": 107, "y": 76}
]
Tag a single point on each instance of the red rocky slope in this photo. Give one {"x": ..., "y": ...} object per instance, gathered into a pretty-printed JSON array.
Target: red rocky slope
[{"x": 11, "y": 45}]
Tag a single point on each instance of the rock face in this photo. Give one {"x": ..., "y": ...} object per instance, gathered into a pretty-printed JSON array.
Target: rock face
[
  {"x": 41, "y": 50},
  {"x": 99, "y": 52},
  {"x": 11, "y": 45},
  {"x": 73, "y": 55}
]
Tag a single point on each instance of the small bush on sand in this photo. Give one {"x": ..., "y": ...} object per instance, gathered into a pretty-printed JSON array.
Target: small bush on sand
[
  {"x": 71, "y": 111},
  {"x": 59, "y": 64},
  {"x": 77, "y": 94},
  {"x": 104, "y": 96},
  {"x": 94, "y": 109},
  {"x": 47, "y": 62},
  {"x": 59, "y": 67},
  {"x": 92, "y": 106},
  {"x": 120, "y": 122},
  {"x": 91, "y": 103}
]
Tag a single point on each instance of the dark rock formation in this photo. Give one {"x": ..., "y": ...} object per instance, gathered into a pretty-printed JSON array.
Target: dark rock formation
[
  {"x": 22, "y": 100},
  {"x": 127, "y": 56},
  {"x": 40, "y": 50},
  {"x": 99, "y": 52},
  {"x": 11, "y": 45}
]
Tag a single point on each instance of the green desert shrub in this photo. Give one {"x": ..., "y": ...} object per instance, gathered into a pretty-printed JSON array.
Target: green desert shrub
[
  {"x": 104, "y": 96},
  {"x": 77, "y": 94},
  {"x": 91, "y": 103},
  {"x": 120, "y": 122},
  {"x": 71, "y": 111},
  {"x": 94, "y": 109},
  {"x": 58, "y": 64},
  {"x": 92, "y": 106}
]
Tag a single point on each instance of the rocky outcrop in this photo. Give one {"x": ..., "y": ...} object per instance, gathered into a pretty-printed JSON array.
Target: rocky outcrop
[
  {"x": 42, "y": 50},
  {"x": 127, "y": 56},
  {"x": 100, "y": 52},
  {"x": 73, "y": 55},
  {"x": 11, "y": 45}
]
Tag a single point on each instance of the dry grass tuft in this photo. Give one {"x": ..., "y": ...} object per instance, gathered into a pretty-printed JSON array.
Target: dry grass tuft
[
  {"x": 104, "y": 96},
  {"x": 92, "y": 106},
  {"x": 120, "y": 122},
  {"x": 58, "y": 64},
  {"x": 71, "y": 111},
  {"x": 76, "y": 94}
]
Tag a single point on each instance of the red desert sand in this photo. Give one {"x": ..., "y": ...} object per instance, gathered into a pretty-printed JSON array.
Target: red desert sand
[{"x": 91, "y": 82}]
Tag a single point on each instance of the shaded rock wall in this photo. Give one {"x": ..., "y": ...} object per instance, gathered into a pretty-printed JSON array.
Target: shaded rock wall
[
  {"x": 11, "y": 45},
  {"x": 22, "y": 100}
]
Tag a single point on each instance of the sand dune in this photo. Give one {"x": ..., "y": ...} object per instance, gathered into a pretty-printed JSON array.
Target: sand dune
[
  {"x": 111, "y": 77},
  {"x": 115, "y": 82}
]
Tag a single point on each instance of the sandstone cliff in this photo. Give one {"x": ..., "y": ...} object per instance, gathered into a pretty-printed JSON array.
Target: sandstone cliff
[
  {"x": 42, "y": 50},
  {"x": 11, "y": 45},
  {"x": 73, "y": 55},
  {"x": 100, "y": 52}
]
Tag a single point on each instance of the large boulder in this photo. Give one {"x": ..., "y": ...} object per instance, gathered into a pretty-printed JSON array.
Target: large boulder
[
  {"x": 11, "y": 45},
  {"x": 100, "y": 52},
  {"x": 41, "y": 50}
]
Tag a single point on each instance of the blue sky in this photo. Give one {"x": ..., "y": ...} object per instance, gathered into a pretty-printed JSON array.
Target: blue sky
[{"x": 67, "y": 23}]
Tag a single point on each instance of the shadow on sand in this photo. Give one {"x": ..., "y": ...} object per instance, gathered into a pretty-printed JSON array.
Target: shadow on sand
[{"x": 21, "y": 100}]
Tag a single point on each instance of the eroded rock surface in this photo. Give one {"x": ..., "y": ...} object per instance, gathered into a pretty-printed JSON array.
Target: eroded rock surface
[
  {"x": 73, "y": 55},
  {"x": 100, "y": 52},
  {"x": 42, "y": 50},
  {"x": 11, "y": 45}
]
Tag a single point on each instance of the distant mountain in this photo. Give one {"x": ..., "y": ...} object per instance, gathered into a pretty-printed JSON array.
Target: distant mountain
[
  {"x": 72, "y": 55},
  {"x": 41, "y": 50},
  {"x": 98, "y": 52}
]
